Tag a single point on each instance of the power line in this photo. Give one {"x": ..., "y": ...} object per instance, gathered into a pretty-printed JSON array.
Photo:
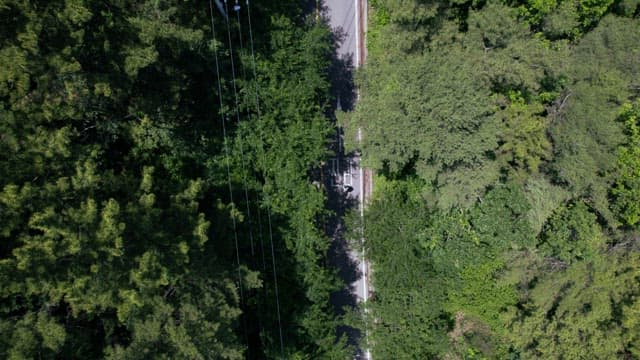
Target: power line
[
  {"x": 264, "y": 162},
  {"x": 226, "y": 151},
  {"x": 240, "y": 140},
  {"x": 266, "y": 195},
  {"x": 244, "y": 172},
  {"x": 242, "y": 67},
  {"x": 236, "y": 8}
]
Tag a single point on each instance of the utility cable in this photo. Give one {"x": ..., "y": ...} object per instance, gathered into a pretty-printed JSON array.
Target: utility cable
[
  {"x": 264, "y": 162},
  {"x": 236, "y": 8},
  {"x": 242, "y": 67},
  {"x": 240, "y": 141},
  {"x": 226, "y": 151}
]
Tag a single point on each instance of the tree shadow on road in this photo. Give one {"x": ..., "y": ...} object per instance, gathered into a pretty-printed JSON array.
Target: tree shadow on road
[
  {"x": 340, "y": 201},
  {"x": 340, "y": 259}
]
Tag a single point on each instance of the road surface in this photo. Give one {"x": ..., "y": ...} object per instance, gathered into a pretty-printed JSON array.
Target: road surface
[
  {"x": 346, "y": 20},
  {"x": 342, "y": 19}
]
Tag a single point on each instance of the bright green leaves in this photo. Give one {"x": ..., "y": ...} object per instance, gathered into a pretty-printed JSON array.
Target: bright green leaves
[
  {"x": 34, "y": 335},
  {"x": 75, "y": 12},
  {"x": 406, "y": 11},
  {"x": 409, "y": 295},
  {"x": 592, "y": 10},
  {"x": 14, "y": 79},
  {"x": 421, "y": 98},
  {"x": 586, "y": 133},
  {"x": 572, "y": 234},
  {"x": 454, "y": 242},
  {"x": 631, "y": 321},
  {"x": 626, "y": 189},
  {"x": 53, "y": 333},
  {"x": 461, "y": 116},
  {"x": 154, "y": 22},
  {"x": 149, "y": 273},
  {"x": 506, "y": 113},
  {"x": 149, "y": 136},
  {"x": 138, "y": 58},
  {"x": 482, "y": 296},
  {"x": 109, "y": 233},
  {"x": 155, "y": 29},
  {"x": 498, "y": 224},
  {"x": 432, "y": 265},
  {"x": 576, "y": 313},
  {"x": 190, "y": 321},
  {"x": 14, "y": 201},
  {"x": 564, "y": 19},
  {"x": 524, "y": 139},
  {"x": 500, "y": 219}
]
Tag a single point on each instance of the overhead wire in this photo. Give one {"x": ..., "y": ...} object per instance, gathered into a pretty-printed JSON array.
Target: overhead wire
[
  {"x": 240, "y": 140},
  {"x": 228, "y": 166},
  {"x": 266, "y": 195},
  {"x": 242, "y": 67},
  {"x": 244, "y": 172},
  {"x": 264, "y": 162},
  {"x": 244, "y": 78}
]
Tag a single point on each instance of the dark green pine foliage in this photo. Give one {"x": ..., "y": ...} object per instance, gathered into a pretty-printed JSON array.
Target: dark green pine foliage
[
  {"x": 116, "y": 227},
  {"x": 283, "y": 143},
  {"x": 95, "y": 122}
]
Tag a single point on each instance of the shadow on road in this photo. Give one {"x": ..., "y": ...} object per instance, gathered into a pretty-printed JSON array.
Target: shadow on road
[
  {"x": 341, "y": 77},
  {"x": 339, "y": 258},
  {"x": 340, "y": 201}
]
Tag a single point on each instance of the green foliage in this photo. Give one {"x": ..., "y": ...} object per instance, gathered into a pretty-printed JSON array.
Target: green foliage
[
  {"x": 455, "y": 256},
  {"x": 513, "y": 169},
  {"x": 571, "y": 234},
  {"x": 408, "y": 298},
  {"x": 481, "y": 295},
  {"x": 586, "y": 135},
  {"x": 564, "y": 19},
  {"x": 498, "y": 225},
  {"x": 544, "y": 199},
  {"x": 412, "y": 99},
  {"x": 626, "y": 189},
  {"x": 576, "y": 313},
  {"x": 117, "y": 229},
  {"x": 524, "y": 139}
]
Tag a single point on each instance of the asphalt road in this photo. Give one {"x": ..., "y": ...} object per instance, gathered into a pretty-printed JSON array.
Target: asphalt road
[
  {"x": 345, "y": 19},
  {"x": 342, "y": 18}
]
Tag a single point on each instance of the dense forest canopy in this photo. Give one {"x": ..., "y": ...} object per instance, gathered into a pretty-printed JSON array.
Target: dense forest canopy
[
  {"x": 505, "y": 217},
  {"x": 158, "y": 158},
  {"x": 123, "y": 218}
]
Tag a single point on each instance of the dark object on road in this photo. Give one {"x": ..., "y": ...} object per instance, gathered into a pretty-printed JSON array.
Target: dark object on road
[{"x": 348, "y": 188}]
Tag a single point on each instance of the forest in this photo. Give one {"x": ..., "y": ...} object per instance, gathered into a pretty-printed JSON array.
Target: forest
[
  {"x": 156, "y": 167},
  {"x": 161, "y": 170},
  {"x": 505, "y": 217}
]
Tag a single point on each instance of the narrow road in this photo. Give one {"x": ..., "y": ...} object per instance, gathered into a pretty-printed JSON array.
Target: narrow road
[
  {"x": 342, "y": 18},
  {"x": 346, "y": 20}
]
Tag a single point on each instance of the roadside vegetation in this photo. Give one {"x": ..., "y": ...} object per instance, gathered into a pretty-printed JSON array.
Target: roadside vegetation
[{"x": 505, "y": 218}]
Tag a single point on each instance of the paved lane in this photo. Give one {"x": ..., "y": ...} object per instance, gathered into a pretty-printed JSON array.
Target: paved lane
[
  {"x": 342, "y": 18},
  {"x": 344, "y": 23},
  {"x": 345, "y": 20}
]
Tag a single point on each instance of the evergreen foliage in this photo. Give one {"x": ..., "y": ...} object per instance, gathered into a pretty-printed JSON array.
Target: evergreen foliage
[{"x": 116, "y": 224}]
